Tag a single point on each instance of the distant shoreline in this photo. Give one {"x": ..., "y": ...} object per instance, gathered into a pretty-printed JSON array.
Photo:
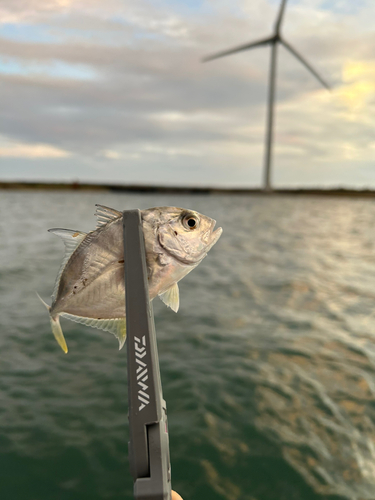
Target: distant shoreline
[{"x": 78, "y": 186}]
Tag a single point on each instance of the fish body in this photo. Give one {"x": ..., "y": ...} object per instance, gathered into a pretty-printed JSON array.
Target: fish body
[{"x": 90, "y": 287}]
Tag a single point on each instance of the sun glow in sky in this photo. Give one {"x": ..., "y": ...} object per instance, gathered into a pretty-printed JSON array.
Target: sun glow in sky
[
  {"x": 116, "y": 92},
  {"x": 358, "y": 89}
]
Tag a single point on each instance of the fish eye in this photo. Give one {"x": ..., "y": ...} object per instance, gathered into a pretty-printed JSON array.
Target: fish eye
[{"x": 190, "y": 222}]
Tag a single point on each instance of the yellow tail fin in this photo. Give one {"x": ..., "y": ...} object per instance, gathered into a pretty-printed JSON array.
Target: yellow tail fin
[{"x": 56, "y": 328}]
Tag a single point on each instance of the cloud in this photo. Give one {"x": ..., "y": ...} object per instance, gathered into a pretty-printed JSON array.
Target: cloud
[
  {"x": 31, "y": 151},
  {"x": 122, "y": 81}
]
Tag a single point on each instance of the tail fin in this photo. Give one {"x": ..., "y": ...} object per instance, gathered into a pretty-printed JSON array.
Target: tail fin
[{"x": 56, "y": 328}]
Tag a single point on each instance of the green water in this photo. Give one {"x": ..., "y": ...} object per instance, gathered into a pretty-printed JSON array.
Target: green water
[{"x": 267, "y": 369}]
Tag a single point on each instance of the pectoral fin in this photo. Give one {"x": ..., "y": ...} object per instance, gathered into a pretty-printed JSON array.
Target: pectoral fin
[{"x": 171, "y": 297}]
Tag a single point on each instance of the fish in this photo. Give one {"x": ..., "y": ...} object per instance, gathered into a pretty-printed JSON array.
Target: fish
[{"x": 90, "y": 289}]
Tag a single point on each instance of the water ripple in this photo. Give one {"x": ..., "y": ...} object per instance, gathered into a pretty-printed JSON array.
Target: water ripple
[{"x": 268, "y": 372}]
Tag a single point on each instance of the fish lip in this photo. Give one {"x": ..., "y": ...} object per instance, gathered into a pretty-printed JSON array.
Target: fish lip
[
  {"x": 210, "y": 237},
  {"x": 215, "y": 236}
]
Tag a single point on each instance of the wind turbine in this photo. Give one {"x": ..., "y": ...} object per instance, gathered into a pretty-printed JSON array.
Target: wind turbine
[{"x": 273, "y": 40}]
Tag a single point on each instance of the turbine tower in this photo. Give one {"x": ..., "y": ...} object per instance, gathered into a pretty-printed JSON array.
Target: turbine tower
[{"x": 273, "y": 40}]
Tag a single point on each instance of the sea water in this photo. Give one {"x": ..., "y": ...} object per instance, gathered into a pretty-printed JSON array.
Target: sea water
[{"x": 267, "y": 369}]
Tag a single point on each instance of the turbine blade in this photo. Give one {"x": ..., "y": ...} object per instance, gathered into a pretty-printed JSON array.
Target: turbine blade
[
  {"x": 305, "y": 63},
  {"x": 258, "y": 43},
  {"x": 280, "y": 16}
]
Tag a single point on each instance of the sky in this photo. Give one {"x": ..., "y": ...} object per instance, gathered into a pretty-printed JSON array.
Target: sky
[{"x": 115, "y": 91}]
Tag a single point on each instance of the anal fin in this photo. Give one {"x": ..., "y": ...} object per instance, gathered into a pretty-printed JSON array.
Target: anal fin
[{"x": 117, "y": 326}]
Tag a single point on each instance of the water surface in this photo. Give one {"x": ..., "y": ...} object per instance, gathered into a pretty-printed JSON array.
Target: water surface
[{"x": 267, "y": 369}]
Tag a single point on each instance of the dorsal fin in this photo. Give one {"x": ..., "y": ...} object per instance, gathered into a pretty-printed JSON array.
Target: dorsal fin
[
  {"x": 70, "y": 237},
  {"x": 71, "y": 241},
  {"x": 105, "y": 215},
  {"x": 171, "y": 297}
]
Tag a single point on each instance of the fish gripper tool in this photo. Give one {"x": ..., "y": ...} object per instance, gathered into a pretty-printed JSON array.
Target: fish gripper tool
[{"x": 148, "y": 425}]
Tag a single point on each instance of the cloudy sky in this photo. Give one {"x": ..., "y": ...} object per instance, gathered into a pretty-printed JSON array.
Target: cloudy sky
[{"x": 115, "y": 91}]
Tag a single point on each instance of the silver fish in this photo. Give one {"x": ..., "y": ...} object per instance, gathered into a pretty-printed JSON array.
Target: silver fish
[{"x": 90, "y": 287}]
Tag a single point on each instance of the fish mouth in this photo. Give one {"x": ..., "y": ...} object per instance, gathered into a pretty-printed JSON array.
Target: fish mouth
[
  {"x": 215, "y": 236},
  {"x": 211, "y": 236}
]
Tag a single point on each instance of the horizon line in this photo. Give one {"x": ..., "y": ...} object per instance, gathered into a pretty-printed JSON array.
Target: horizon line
[{"x": 149, "y": 188}]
